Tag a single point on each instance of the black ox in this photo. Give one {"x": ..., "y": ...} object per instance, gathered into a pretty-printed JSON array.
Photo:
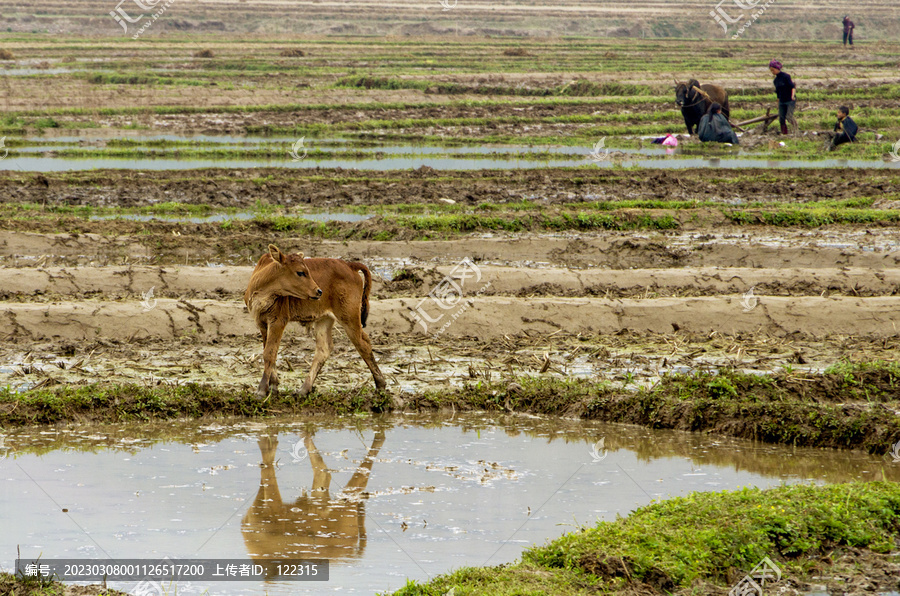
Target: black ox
[{"x": 694, "y": 104}]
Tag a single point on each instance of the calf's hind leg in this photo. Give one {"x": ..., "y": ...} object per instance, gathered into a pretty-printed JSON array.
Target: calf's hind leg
[
  {"x": 361, "y": 341},
  {"x": 324, "y": 345}
]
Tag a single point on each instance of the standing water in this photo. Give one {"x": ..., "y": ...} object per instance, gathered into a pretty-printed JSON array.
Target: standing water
[{"x": 382, "y": 499}]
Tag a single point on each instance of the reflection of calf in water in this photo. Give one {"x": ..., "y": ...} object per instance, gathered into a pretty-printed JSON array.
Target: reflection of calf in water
[{"x": 315, "y": 526}]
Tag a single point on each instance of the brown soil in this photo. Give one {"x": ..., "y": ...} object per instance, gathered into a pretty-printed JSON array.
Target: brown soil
[
  {"x": 186, "y": 245},
  {"x": 620, "y": 306},
  {"x": 45, "y": 284},
  {"x": 218, "y": 345},
  {"x": 724, "y": 315},
  {"x": 339, "y": 188},
  {"x": 217, "y": 123}
]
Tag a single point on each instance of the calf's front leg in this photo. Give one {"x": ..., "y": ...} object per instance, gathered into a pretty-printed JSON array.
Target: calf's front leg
[{"x": 271, "y": 340}]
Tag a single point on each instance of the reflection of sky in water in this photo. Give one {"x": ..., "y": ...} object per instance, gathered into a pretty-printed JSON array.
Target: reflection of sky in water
[{"x": 470, "y": 497}]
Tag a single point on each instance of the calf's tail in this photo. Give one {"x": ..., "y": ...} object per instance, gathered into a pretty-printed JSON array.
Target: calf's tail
[{"x": 367, "y": 286}]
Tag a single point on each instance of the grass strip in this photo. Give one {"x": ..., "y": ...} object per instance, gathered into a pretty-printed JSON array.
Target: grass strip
[
  {"x": 846, "y": 406},
  {"x": 704, "y": 541}
]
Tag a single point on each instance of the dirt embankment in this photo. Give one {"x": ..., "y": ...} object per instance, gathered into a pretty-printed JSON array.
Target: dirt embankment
[
  {"x": 44, "y": 284},
  {"x": 762, "y": 248},
  {"x": 170, "y": 319},
  {"x": 332, "y": 188}
]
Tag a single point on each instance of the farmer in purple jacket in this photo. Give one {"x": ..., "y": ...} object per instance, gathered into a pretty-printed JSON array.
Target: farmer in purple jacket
[
  {"x": 786, "y": 92},
  {"x": 848, "y": 30}
]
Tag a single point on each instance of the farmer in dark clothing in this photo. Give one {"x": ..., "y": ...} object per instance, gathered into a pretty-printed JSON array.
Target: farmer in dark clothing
[
  {"x": 845, "y": 129},
  {"x": 715, "y": 128},
  {"x": 786, "y": 92},
  {"x": 848, "y": 30}
]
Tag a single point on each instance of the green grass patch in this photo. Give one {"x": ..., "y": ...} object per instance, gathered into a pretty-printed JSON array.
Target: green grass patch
[
  {"x": 838, "y": 408},
  {"x": 702, "y": 536},
  {"x": 673, "y": 545},
  {"x": 811, "y": 216}
]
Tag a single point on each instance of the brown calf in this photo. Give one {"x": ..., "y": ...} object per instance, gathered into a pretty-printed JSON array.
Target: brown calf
[{"x": 315, "y": 293}]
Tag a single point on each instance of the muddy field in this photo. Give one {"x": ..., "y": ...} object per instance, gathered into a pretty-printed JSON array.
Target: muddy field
[
  {"x": 620, "y": 307},
  {"x": 341, "y": 189},
  {"x": 161, "y": 300},
  {"x": 758, "y": 269}
]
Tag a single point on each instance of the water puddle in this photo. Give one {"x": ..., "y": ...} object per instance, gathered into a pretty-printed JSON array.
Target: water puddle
[{"x": 383, "y": 499}]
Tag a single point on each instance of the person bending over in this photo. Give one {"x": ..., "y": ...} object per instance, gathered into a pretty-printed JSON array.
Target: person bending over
[{"x": 714, "y": 127}]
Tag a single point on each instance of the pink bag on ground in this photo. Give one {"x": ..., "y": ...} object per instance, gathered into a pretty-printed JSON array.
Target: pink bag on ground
[{"x": 670, "y": 141}]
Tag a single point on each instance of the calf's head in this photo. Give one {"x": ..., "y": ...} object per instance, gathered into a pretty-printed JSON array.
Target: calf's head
[{"x": 288, "y": 275}]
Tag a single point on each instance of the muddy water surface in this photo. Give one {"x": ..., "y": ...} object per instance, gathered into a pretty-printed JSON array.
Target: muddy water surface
[
  {"x": 378, "y": 154},
  {"x": 382, "y": 499},
  {"x": 57, "y": 164}
]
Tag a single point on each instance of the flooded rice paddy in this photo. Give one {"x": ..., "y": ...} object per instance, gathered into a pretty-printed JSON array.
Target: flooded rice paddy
[
  {"x": 46, "y": 153},
  {"x": 382, "y": 499}
]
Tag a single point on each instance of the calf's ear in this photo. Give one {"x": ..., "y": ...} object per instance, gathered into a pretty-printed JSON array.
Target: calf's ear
[
  {"x": 276, "y": 254},
  {"x": 300, "y": 254}
]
